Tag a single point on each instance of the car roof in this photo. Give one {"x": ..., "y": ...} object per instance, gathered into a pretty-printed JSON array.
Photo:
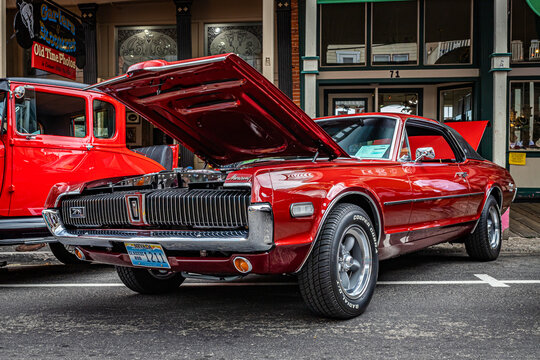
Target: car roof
[
  {"x": 400, "y": 115},
  {"x": 44, "y": 81}
]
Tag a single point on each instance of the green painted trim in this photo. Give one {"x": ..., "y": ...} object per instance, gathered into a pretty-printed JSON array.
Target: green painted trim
[
  {"x": 352, "y": 1},
  {"x": 309, "y": 72},
  {"x": 530, "y": 153},
  {"x": 310, "y": 58},
  {"x": 394, "y": 81},
  {"x": 500, "y": 69},
  {"x": 500, "y": 54},
  {"x": 528, "y": 193}
]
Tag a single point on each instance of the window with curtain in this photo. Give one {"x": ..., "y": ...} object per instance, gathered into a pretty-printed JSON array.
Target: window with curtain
[
  {"x": 447, "y": 32},
  {"x": 343, "y": 34}
]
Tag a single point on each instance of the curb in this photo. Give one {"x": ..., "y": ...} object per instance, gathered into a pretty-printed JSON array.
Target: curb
[{"x": 28, "y": 257}]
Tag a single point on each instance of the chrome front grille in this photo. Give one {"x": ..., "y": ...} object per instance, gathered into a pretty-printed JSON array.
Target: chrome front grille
[{"x": 176, "y": 208}]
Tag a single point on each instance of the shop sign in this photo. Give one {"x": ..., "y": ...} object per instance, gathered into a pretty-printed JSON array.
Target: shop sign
[
  {"x": 516, "y": 158},
  {"x": 52, "y": 31},
  {"x": 53, "y": 61}
]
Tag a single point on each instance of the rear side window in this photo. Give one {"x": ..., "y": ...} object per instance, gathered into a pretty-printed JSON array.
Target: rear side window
[
  {"x": 421, "y": 137},
  {"x": 41, "y": 113},
  {"x": 104, "y": 119}
]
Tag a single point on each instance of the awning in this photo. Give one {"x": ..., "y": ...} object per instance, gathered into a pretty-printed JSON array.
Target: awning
[{"x": 535, "y": 6}]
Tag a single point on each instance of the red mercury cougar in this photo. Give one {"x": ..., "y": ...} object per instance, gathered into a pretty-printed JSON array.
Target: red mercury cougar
[{"x": 326, "y": 200}]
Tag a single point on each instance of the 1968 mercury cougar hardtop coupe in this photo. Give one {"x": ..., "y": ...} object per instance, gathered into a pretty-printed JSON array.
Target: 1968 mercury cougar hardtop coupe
[{"x": 325, "y": 200}]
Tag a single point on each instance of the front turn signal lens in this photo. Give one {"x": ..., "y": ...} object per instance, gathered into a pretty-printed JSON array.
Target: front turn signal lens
[
  {"x": 242, "y": 265},
  {"x": 302, "y": 209}
]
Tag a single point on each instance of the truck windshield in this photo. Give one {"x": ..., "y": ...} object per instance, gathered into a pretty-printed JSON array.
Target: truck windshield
[{"x": 362, "y": 137}]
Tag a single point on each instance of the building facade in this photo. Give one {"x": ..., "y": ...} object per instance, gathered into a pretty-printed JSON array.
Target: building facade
[{"x": 460, "y": 60}]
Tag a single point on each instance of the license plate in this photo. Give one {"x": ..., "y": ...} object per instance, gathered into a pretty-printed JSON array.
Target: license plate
[{"x": 147, "y": 255}]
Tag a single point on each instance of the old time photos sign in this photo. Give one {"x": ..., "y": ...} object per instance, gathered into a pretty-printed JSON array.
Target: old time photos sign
[{"x": 54, "y": 35}]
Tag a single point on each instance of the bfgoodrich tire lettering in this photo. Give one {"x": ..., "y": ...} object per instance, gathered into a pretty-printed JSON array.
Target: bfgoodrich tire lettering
[
  {"x": 339, "y": 277},
  {"x": 484, "y": 243},
  {"x": 147, "y": 281}
]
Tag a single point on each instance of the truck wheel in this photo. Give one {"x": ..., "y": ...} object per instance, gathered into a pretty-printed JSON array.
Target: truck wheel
[
  {"x": 484, "y": 243},
  {"x": 339, "y": 277},
  {"x": 63, "y": 255},
  {"x": 149, "y": 281}
]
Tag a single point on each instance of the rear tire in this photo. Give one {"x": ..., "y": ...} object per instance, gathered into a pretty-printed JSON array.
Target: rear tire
[
  {"x": 484, "y": 244},
  {"x": 149, "y": 281},
  {"x": 63, "y": 255},
  {"x": 339, "y": 277}
]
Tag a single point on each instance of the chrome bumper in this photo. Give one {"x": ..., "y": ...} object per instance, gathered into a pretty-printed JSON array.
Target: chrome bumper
[{"x": 260, "y": 236}]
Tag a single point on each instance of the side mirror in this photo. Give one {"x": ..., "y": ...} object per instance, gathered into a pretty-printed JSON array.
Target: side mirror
[{"x": 424, "y": 153}]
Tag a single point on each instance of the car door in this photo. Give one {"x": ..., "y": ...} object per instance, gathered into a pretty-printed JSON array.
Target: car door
[
  {"x": 3, "y": 138},
  {"x": 439, "y": 185},
  {"x": 50, "y": 144}
]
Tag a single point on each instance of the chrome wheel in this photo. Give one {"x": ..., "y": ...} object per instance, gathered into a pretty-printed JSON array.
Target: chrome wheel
[
  {"x": 354, "y": 263},
  {"x": 493, "y": 227}
]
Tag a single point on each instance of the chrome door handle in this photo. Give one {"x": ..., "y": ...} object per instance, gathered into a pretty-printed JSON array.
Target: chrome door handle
[
  {"x": 89, "y": 147},
  {"x": 462, "y": 174}
]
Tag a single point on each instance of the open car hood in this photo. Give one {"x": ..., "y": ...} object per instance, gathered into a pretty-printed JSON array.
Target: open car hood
[{"x": 220, "y": 108}]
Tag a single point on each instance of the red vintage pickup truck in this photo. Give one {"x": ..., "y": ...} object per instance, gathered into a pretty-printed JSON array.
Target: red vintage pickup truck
[{"x": 55, "y": 132}]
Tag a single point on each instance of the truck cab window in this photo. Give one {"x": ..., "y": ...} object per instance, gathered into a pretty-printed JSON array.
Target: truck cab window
[
  {"x": 41, "y": 113},
  {"x": 104, "y": 119},
  {"x": 3, "y": 113}
]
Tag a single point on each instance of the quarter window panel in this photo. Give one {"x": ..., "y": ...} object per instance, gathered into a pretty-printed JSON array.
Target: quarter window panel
[
  {"x": 447, "y": 32},
  {"x": 104, "y": 119},
  {"x": 395, "y": 33},
  {"x": 343, "y": 33},
  {"x": 39, "y": 113},
  {"x": 525, "y": 33},
  {"x": 524, "y": 117}
]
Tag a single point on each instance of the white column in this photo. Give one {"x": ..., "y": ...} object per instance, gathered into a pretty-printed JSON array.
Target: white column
[
  {"x": 500, "y": 114},
  {"x": 3, "y": 49},
  {"x": 268, "y": 40},
  {"x": 311, "y": 62}
]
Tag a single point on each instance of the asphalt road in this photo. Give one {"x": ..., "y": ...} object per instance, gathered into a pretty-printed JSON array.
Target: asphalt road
[{"x": 83, "y": 312}]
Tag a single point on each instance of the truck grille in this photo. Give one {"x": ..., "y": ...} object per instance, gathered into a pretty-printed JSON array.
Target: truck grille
[{"x": 198, "y": 208}]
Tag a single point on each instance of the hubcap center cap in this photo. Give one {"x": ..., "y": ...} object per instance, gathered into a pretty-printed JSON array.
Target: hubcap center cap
[{"x": 347, "y": 262}]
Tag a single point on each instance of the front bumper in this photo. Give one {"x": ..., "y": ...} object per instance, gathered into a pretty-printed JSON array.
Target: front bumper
[{"x": 258, "y": 238}]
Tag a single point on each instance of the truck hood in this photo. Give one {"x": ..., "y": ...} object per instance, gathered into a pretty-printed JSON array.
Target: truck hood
[{"x": 220, "y": 108}]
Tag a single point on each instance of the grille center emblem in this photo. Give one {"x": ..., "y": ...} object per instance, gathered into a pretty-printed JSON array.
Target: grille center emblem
[
  {"x": 77, "y": 212},
  {"x": 135, "y": 209}
]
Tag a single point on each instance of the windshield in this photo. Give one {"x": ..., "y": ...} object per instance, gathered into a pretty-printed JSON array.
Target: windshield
[{"x": 362, "y": 137}]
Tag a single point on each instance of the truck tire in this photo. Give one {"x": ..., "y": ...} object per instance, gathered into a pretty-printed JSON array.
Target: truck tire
[
  {"x": 149, "y": 281},
  {"x": 484, "y": 244},
  {"x": 339, "y": 277},
  {"x": 63, "y": 255}
]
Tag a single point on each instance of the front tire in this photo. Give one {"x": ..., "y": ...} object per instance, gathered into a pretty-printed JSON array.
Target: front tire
[
  {"x": 484, "y": 244},
  {"x": 339, "y": 277},
  {"x": 149, "y": 281}
]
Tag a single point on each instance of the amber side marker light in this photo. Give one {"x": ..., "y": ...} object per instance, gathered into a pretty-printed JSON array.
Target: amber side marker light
[
  {"x": 79, "y": 254},
  {"x": 242, "y": 265}
]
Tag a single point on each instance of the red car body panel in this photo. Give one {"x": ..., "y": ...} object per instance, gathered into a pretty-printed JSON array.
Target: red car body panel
[
  {"x": 197, "y": 101},
  {"x": 31, "y": 165}
]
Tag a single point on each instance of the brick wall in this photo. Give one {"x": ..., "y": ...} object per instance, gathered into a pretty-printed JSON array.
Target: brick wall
[{"x": 295, "y": 40}]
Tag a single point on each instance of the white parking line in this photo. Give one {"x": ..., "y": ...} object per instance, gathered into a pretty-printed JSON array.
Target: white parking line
[
  {"x": 491, "y": 280},
  {"x": 485, "y": 279}
]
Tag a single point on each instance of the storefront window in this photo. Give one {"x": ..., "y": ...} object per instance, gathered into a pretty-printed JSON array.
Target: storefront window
[
  {"x": 524, "y": 131},
  {"x": 525, "y": 44},
  {"x": 349, "y": 106},
  {"x": 405, "y": 103},
  {"x": 456, "y": 104},
  {"x": 447, "y": 32},
  {"x": 245, "y": 40},
  {"x": 343, "y": 29},
  {"x": 142, "y": 43},
  {"x": 395, "y": 33}
]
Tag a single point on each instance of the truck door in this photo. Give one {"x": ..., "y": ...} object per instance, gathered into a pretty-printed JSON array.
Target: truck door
[
  {"x": 50, "y": 144},
  {"x": 3, "y": 137}
]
